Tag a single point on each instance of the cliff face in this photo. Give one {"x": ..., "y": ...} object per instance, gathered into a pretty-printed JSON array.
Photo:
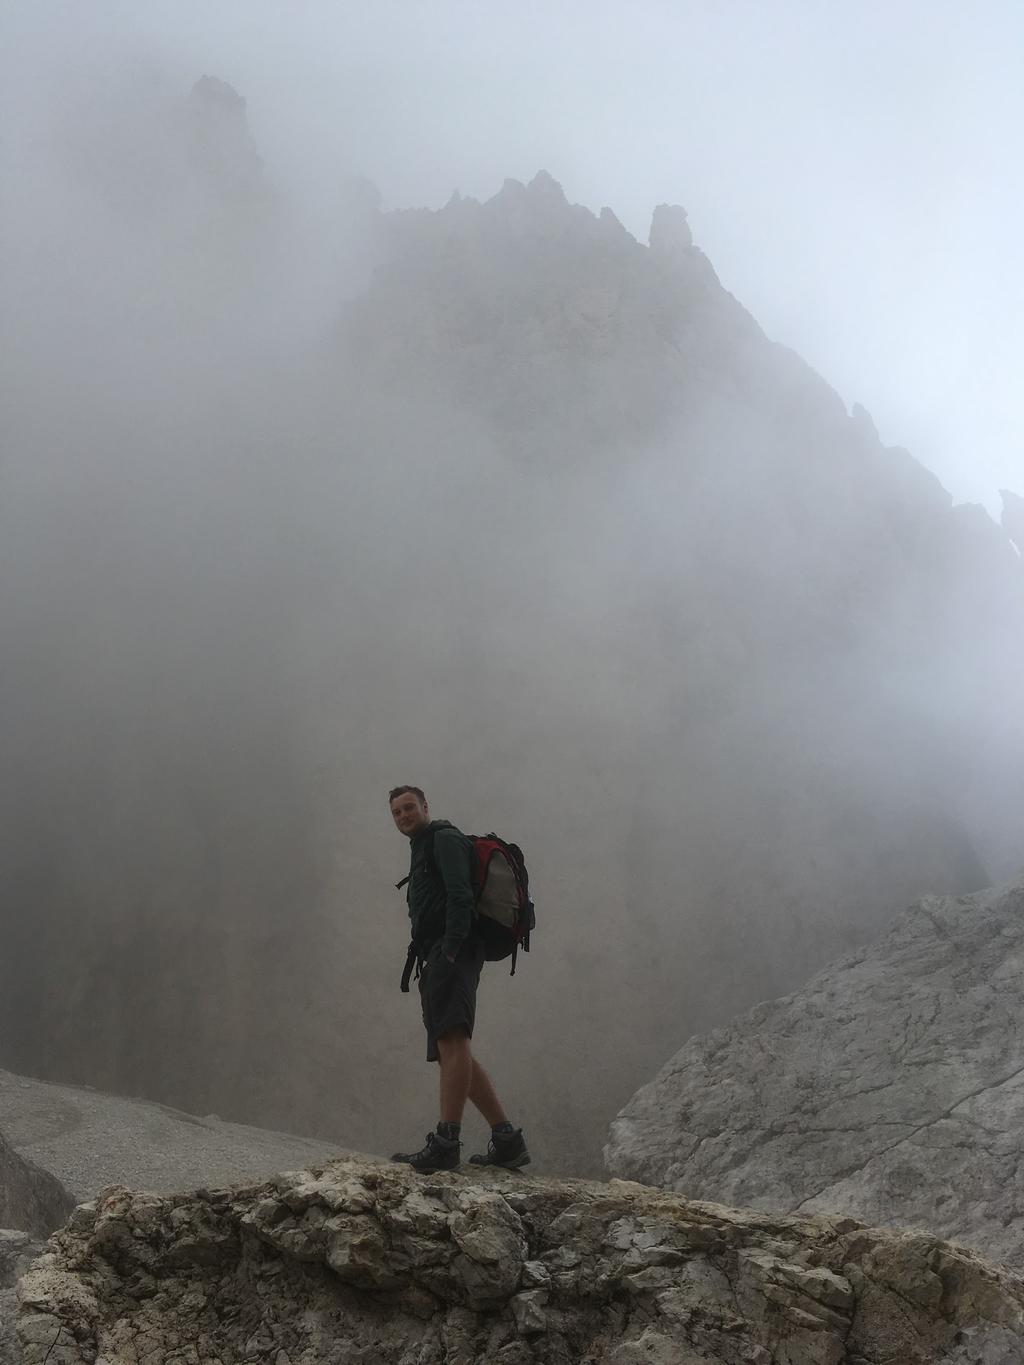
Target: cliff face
[
  {"x": 540, "y": 521},
  {"x": 358, "y": 1262},
  {"x": 890, "y": 1087}
]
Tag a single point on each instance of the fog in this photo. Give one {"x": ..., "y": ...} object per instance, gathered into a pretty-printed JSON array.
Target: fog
[
  {"x": 305, "y": 497},
  {"x": 847, "y": 170}
]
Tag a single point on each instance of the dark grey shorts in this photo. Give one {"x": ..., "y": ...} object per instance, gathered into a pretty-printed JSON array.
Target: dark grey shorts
[{"x": 448, "y": 992}]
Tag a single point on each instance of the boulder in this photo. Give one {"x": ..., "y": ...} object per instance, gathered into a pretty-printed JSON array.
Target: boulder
[
  {"x": 31, "y": 1199},
  {"x": 891, "y": 1086}
]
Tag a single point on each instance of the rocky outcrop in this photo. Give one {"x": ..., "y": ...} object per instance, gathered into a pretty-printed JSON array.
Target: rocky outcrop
[
  {"x": 892, "y": 1087},
  {"x": 361, "y": 1262},
  {"x": 30, "y": 1198}
]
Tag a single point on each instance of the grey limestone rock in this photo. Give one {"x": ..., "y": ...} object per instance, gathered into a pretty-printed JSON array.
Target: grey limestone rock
[
  {"x": 360, "y": 1262},
  {"x": 892, "y": 1087},
  {"x": 30, "y": 1198},
  {"x": 17, "y": 1252}
]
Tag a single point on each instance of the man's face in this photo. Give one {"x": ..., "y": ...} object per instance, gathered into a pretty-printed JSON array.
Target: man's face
[{"x": 409, "y": 813}]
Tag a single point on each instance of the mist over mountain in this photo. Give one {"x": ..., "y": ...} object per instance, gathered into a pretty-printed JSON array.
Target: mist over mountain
[{"x": 496, "y": 500}]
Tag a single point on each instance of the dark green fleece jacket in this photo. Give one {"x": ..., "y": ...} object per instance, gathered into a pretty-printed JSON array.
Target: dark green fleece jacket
[{"x": 440, "y": 893}]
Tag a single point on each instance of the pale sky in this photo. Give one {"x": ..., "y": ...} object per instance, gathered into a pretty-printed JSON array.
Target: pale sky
[{"x": 851, "y": 167}]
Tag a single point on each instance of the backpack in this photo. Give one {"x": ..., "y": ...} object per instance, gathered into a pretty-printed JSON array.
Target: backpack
[
  {"x": 501, "y": 898},
  {"x": 504, "y": 909}
]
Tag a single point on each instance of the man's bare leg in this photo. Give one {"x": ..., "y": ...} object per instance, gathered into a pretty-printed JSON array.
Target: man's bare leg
[
  {"x": 483, "y": 1095},
  {"x": 462, "y": 1078},
  {"x": 456, "y": 1063}
]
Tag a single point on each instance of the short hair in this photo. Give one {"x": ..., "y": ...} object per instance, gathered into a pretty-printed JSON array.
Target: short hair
[{"x": 398, "y": 791}]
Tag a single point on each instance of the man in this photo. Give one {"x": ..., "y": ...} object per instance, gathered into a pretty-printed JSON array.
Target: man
[{"x": 449, "y": 954}]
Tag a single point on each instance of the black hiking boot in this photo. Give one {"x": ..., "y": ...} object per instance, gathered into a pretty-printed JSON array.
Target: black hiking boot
[
  {"x": 439, "y": 1154},
  {"x": 507, "y": 1150}
]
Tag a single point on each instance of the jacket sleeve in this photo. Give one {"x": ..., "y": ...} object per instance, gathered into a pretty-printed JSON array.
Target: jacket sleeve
[{"x": 453, "y": 854}]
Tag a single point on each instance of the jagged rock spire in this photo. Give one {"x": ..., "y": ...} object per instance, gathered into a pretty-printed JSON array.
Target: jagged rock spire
[{"x": 670, "y": 230}]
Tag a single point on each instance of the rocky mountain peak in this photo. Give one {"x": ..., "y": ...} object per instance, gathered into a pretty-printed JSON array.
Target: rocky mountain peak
[
  {"x": 545, "y": 187},
  {"x": 213, "y": 91}
]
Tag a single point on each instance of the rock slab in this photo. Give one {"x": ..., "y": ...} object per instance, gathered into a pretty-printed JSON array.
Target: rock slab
[
  {"x": 368, "y": 1262},
  {"x": 891, "y": 1087}
]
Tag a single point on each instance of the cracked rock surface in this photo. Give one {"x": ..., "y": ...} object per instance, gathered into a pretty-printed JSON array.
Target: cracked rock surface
[
  {"x": 369, "y": 1263},
  {"x": 891, "y": 1087}
]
